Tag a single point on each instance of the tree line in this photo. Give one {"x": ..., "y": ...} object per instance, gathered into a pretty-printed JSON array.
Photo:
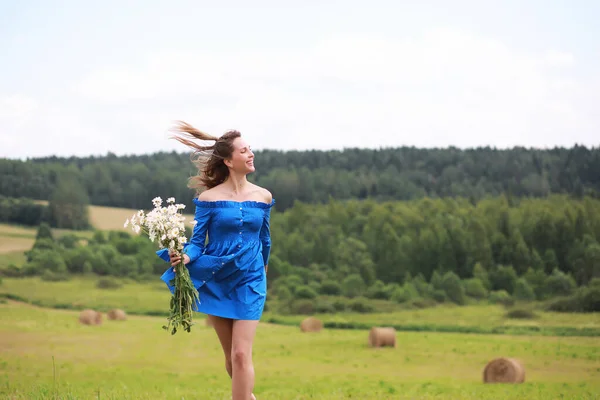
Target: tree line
[
  {"x": 404, "y": 173},
  {"x": 66, "y": 208},
  {"x": 441, "y": 248},
  {"x": 392, "y": 240}
]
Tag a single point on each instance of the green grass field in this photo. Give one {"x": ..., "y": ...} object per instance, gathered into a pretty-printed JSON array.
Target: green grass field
[
  {"x": 152, "y": 299},
  {"x": 136, "y": 359}
]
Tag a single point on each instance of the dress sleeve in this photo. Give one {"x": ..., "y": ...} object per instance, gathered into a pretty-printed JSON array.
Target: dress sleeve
[
  {"x": 265, "y": 235},
  {"x": 195, "y": 246}
]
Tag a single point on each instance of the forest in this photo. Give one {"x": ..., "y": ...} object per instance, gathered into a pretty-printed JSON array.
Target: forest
[
  {"x": 404, "y": 225},
  {"x": 404, "y": 173}
]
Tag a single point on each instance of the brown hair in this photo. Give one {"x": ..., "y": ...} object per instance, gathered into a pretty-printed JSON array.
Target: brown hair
[{"x": 208, "y": 159}]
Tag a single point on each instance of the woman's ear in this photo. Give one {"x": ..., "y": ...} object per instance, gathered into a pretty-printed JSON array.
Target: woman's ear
[{"x": 227, "y": 163}]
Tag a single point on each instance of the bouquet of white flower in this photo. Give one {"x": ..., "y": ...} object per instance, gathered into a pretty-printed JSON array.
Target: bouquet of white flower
[{"x": 166, "y": 226}]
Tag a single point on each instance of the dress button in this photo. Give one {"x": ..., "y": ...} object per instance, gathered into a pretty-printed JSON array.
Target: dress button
[{"x": 240, "y": 233}]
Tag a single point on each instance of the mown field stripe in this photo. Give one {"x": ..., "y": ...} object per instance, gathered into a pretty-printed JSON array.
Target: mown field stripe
[{"x": 513, "y": 330}]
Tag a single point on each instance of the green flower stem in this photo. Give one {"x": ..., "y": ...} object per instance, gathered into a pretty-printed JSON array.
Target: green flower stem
[{"x": 183, "y": 300}]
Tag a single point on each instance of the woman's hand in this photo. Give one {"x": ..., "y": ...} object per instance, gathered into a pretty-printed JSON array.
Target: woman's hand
[{"x": 175, "y": 259}]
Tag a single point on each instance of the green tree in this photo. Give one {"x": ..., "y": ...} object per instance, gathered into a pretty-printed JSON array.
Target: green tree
[
  {"x": 49, "y": 260},
  {"x": 519, "y": 252},
  {"x": 44, "y": 232},
  {"x": 437, "y": 281},
  {"x": 475, "y": 288},
  {"x": 480, "y": 273},
  {"x": 352, "y": 257},
  {"x": 550, "y": 261},
  {"x": 353, "y": 286},
  {"x": 592, "y": 261},
  {"x": 305, "y": 292},
  {"x": 537, "y": 281},
  {"x": 68, "y": 205},
  {"x": 560, "y": 284},
  {"x": 523, "y": 290},
  {"x": 480, "y": 248},
  {"x": 377, "y": 291},
  {"x": 453, "y": 288},
  {"x": 330, "y": 287},
  {"x": 503, "y": 278},
  {"x": 536, "y": 261}
]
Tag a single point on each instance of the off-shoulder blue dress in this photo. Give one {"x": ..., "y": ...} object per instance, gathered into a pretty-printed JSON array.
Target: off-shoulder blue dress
[{"x": 228, "y": 270}]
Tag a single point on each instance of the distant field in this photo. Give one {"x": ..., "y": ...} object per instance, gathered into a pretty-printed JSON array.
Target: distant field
[
  {"x": 15, "y": 239},
  {"x": 17, "y": 231},
  {"x": 14, "y": 244},
  {"x": 29, "y": 232},
  {"x": 109, "y": 218},
  {"x": 14, "y": 257},
  {"x": 112, "y": 218},
  {"x": 152, "y": 299},
  {"x": 82, "y": 292},
  {"x": 136, "y": 359}
]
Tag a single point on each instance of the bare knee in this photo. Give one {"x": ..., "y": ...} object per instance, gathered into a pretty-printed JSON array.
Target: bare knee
[{"x": 241, "y": 357}]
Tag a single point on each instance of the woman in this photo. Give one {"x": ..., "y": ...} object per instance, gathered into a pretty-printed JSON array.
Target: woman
[{"x": 229, "y": 271}]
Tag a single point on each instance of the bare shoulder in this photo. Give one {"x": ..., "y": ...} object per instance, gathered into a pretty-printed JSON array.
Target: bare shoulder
[
  {"x": 209, "y": 195},
  {"x": 267, "y": 194},
  {"x": 263, "y": 193}
]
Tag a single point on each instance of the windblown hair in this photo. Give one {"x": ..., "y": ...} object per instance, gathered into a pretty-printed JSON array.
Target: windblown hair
[{"x": 208, "y": 159}]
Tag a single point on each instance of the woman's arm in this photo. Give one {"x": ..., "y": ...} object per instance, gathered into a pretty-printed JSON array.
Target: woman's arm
[
  {"x": 265, "y": 230},
  {"x": 265, "y": 237}
]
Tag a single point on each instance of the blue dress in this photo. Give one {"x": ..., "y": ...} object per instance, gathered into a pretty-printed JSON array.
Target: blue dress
[{"x": 229, "y": 270}]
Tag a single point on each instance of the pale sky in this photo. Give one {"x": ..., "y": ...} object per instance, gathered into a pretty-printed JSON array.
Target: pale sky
[{"x": 85, "y": 78}]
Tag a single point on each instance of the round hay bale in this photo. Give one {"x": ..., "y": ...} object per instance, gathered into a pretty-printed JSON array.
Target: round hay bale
[
  {"x": 117, "y": 315},
  {"x": 382, "y": 337},
  {"x": 504, "y": 370},
  {"x": 90, "y": 317},
  {"x": 311, "y": 324}
]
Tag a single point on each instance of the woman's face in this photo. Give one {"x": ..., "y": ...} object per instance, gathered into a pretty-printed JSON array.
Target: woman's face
[{"x": 242, "y": 157}]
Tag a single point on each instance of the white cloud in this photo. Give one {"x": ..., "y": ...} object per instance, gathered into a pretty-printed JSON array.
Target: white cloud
[
  {"x": 443, "y": 88},
  {"x": 15, "y": 109},
  {"x": 559, "y": 59}
]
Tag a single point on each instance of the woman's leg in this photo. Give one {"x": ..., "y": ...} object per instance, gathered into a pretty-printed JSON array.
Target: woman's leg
[
  {"x": 241, "y": 357},
  {"x": 224, "y": 329}
]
